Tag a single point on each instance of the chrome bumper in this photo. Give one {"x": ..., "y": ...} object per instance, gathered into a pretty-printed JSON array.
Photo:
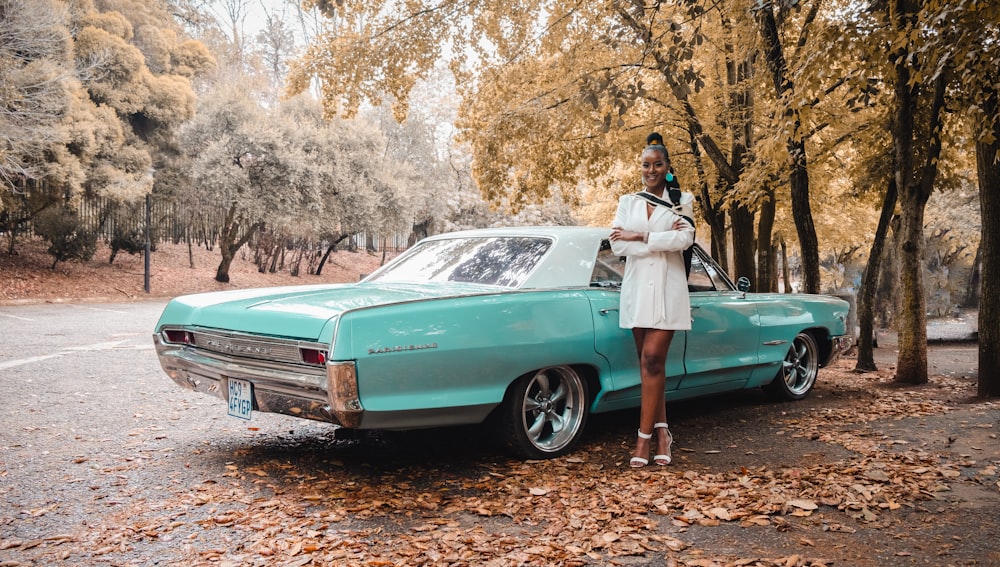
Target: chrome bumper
[{"x": 323, "y": 394}]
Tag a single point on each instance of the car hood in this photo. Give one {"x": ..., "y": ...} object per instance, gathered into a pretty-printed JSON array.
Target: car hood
[{"x": 299, "y": 312}]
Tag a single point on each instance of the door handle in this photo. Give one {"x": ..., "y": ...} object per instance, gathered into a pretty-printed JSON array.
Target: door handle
[{"x": 605, "y": 311}]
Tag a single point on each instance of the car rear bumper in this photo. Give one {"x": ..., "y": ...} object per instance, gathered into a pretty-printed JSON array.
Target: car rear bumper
[{"x": 327, "y": 394}]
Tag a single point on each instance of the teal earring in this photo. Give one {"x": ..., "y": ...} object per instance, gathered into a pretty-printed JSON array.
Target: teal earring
[{"x": 670, "y": 177}]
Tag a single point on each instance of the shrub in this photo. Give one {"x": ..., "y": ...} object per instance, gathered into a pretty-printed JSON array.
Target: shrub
[
  {"x": 132, "y": 241},
  {"x": 67, "y": 237}
]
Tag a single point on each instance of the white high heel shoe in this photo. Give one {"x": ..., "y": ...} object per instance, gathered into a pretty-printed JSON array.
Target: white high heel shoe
[
  {"x": 639, "y": 462},
  {"x": 664, "y": 459}
]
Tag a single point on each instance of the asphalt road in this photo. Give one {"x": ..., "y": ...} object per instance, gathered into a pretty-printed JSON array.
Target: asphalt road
[{"x": 90, "y": 424}]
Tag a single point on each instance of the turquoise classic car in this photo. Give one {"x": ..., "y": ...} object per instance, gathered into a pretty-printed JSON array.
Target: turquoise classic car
[{"x": 513, "y": 327}]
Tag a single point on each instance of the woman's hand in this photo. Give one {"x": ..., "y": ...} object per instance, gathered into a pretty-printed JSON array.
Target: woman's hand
[{"x": 618, "y": 233}]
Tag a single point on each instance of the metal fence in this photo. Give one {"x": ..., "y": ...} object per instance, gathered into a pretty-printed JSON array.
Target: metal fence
[{"x": 171, "y": 222}]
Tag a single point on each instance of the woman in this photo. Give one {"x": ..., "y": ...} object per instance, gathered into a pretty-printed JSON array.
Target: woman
[{"x": 654, "y": 296}]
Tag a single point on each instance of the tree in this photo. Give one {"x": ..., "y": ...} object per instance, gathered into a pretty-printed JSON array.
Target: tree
[
  {"x": 936, "y": 47},
  {"x": 913, "y": 181},
  {"x": 988, "y": 168},
  {"x": 795, "y": 143},
  {"x": 235, "y": 157},
  {"x": 967, "y": 40},
  {"x": 88, "y": 114},
  {"x": 36, "y": 71},
  {"x": 290, "y": 170}
]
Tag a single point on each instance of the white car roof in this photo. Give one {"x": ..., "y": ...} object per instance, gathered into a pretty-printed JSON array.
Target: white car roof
[{"x": 570, "y": 261}]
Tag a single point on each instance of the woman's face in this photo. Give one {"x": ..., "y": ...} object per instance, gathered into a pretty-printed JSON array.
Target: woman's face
[{"x": 654, "y": 168}]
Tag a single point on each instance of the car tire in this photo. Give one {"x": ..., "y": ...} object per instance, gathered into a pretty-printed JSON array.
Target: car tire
[
  {"x": 798, "y": 371},
  {"x": 544, "y": 413}
]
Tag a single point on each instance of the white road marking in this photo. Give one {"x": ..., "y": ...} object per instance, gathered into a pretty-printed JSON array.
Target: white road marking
[
  {"x": 99, "y": 309},
  {"x": 15, "y": 317},
  {"x": 113, "y": 345},
  {"x": 20, "y": 362}
]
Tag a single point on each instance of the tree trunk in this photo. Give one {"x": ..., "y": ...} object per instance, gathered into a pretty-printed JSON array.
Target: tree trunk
[
  {"x": 766, "y": 270},
  {"x": 802, "y": 213},
  {"x": 786, "y": 272},
  {"x": 911, "y": 366},
  {"x": 227, "y": 235},
  {"x": 419, "y": 231},
  {"x": 799, "y": 175},
  {"x": 326, "y": 256},
  {"x": 988, "y": 169},
  {"x": 711, "y": 212},
  {"x": 230, "y": 242},
  {"x": 869, "y": 285},
  {"x": 329, "y": 250},
  {"x": 975, "y": 280},
  {"x": 222, "y": 272},
  {"x": 742, "y": 221},
  {"x": 738, "y": 74}
]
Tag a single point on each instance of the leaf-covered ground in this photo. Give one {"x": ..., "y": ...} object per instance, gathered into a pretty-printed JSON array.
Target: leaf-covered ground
[{"x": 863, "y": 473}]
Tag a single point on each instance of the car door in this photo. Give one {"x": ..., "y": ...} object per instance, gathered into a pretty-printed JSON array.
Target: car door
[
  {"x": 616, "y": 344},
  {"x": 722, "y": 345}
]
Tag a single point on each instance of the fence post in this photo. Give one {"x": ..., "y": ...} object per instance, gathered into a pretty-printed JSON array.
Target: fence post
[{"x": 145, "y": 282}]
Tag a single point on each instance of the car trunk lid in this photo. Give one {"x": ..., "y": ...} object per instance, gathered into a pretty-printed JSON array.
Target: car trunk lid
[{"x": 299, "y": 312}]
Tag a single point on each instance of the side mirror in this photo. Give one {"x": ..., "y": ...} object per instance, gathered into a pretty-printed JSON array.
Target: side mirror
[{"x": 743, "y": 284}]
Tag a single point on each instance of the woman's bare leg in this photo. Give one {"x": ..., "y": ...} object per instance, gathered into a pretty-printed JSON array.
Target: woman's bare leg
[{"x": 652, "y": 346}]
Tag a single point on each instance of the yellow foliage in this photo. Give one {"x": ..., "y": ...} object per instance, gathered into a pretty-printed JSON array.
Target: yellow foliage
[
  {"x": 109, "y": 58},
  {"x": 111, "y": 22},
  {"x": 171, "y": 100},
  {"x": 191, "y": 58}
]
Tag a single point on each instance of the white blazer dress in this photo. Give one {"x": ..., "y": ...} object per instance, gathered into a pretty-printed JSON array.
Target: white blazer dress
[{"x": 654, "y": 292}]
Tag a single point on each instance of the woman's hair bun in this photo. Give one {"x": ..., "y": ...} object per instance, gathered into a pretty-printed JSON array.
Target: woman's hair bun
[{"x": 654, "y": 139}]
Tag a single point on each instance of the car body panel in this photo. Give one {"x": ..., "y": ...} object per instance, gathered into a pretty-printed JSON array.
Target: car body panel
[
  {"x": 727, "y": 328},
  {"x": 440, "y": 335},
  {"x": 447, "y": 353}
]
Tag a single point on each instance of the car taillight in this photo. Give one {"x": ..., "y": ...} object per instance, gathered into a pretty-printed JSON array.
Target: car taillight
[
  {"x": 313, "y": 356},
  {"x": 177, "y": 336}
]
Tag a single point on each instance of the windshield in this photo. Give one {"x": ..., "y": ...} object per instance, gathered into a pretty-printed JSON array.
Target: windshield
[{"x": 499, "y": 261}]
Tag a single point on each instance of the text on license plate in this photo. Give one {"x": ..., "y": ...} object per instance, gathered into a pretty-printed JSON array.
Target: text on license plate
[{"x": 240, "y": 398}]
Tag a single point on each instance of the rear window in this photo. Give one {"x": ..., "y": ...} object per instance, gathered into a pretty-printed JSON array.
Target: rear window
[{"x": 499, "y": 261}]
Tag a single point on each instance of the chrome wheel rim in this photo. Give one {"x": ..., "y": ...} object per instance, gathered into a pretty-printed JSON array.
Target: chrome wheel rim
[
  {"x": 553, "y": 408},
  {"x": 801, "y": 365}
]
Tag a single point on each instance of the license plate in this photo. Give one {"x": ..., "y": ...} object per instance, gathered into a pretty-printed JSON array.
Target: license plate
[{"x": 240, "y": 398}]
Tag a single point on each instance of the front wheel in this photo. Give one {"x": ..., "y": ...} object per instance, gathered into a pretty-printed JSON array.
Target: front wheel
[
  {"x": 798, "y": 371},
  {"x": 544, "y": 413}
]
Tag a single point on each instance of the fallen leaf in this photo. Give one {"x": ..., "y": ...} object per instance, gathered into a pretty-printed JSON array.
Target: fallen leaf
[{"x": 803, "y": 504}]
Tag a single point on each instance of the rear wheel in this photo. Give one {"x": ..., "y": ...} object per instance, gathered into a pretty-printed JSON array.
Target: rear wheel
[
  {"x": 544, "y": 413},
  {"x": 798, "y": 371}
]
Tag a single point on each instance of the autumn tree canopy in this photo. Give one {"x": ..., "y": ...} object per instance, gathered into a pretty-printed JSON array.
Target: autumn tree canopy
[
  {"x": 96, "y": 90},
  {"x": 781, "y": 116}
]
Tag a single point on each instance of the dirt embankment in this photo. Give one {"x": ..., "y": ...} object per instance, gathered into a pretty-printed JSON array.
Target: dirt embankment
[{"x": 26, "y": 276}]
